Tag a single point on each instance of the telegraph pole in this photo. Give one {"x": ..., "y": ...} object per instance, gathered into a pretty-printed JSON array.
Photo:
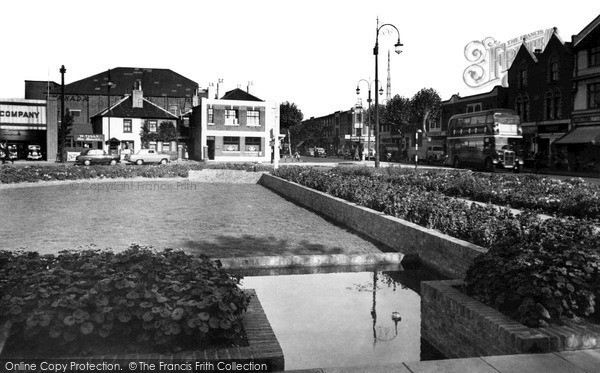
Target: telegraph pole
[{"x": 62, "y": 138}]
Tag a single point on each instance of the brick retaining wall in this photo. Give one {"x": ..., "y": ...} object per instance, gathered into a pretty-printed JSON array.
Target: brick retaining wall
[
  {"x": 447, "y": 255},
  {"x": 263, "y": 347},
  {"x": 460, "y": 326}
]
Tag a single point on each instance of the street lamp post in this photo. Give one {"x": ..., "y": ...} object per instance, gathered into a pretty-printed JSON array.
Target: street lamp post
[
  {"x": 369, "y": 100},
  {"x": 376, "y": 53}
]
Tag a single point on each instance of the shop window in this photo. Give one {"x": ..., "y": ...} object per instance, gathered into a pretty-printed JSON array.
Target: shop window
[
  {"x": 127, "y": 126},
  {"x": 231, "y": 144},
  {"x": 253, "y": 118},
  {"x": 231, "y": 117},
  {"x": 211, "y": 116},
  {"x": 594, "y": 57},
  {"x": 253, "y": 144}
]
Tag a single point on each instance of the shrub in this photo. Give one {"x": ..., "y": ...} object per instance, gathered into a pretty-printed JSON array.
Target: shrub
[
  {"x": 153, "y": 298},
  {"x": 540, "y": 273},
  {"x": 10, "y": 174}
]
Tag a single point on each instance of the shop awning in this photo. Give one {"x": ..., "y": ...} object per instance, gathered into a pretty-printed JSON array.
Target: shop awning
[{"x": 581, "y": 135}]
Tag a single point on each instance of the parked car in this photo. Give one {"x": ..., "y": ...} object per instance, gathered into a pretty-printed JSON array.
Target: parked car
[
  {"x": 435, "y": 154},
  {"x": 34, "y": 152},
  {"x": 320, "y": 153},
  {"x": 148, "y": 156},
  {"x": 98, "y": 156},
  {"x": 13, "y": 152}
]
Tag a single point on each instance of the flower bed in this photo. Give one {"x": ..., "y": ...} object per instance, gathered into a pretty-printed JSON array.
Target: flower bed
[
  {"x": 83, "y": 301},
  {"x": 11, "y": 174},
  {"x": 537, "y": 271},
  {"x": 572, "y": 197}
]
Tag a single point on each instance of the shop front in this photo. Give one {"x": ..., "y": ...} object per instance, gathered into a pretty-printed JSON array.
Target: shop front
[{"x": 23, "y": 124}]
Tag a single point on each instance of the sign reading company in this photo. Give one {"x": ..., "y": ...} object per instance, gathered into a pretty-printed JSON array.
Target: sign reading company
[{"x": 22, "y": 114}]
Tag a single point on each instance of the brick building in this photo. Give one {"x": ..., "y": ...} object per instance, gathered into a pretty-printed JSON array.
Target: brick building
[
  {"x": 539, "y": 90},
  {"x": 581, "y": 144},
  {"x": 89, "y": 96},
  {"x": 236, "y": 127}
]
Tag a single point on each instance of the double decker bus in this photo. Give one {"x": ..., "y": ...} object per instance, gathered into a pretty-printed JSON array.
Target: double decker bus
[{"x": 485, "y": 140}]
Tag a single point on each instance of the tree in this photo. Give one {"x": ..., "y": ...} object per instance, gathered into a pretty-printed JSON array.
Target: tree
[
  {"x": 64, "y": 130},
  {"x": 146, "y": 136},
  {"x": 397, "y": 113},
  {"x": 425, "y": 105},
  {"x": 289, "y": 115},
  {"x": 167, "y": 131}
]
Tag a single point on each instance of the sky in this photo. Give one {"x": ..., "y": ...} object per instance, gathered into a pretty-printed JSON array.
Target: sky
[{"x": 307, "y": 52}]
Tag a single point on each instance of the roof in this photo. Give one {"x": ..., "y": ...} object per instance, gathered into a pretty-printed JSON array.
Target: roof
[
  {"x": 590, "y": 34},
  {"x": 155, "y": 83},
  {"x": 124, "y": 109},
  {"x": 240, "y": 95},
  {"x": 581, "y": 135}
]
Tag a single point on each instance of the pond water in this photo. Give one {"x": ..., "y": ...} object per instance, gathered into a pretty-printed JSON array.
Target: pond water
[{"x": 343, "y": 319}]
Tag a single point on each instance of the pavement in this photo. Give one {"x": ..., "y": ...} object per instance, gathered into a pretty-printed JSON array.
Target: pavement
[{"x": 557, "y": 362}]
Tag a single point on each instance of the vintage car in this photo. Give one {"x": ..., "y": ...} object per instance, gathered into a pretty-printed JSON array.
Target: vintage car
[
  {"x": 34, "y": 152},
  {"x": 13, "y": 152},
  {"x": 98, "y": 156},
  {"x": 148, "y": 156}
]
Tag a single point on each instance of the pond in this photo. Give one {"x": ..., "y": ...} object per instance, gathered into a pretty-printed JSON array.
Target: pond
[{"x": 341, "y": 319}]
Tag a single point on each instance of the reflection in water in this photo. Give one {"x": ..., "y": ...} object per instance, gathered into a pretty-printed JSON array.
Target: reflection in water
[{"x": 341, "y": 319}]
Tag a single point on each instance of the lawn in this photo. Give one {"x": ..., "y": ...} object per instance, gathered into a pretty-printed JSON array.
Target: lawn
[{"x": 219, "y": 220}]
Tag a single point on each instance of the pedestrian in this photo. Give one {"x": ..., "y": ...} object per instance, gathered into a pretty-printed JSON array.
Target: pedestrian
[{"x": 297, "y": 156}]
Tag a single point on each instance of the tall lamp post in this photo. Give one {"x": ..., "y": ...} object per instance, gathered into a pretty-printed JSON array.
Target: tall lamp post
[
  {"x": 369, "y": 100},
  {"x": 376, "y": 53}
]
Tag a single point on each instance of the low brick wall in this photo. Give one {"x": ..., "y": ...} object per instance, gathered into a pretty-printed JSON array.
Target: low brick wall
[
  {"x": 447, "y": 255},
  {"x": 311, "y": 260},
  {"x": 460, "y": 326},
  {"x": 263, "y": 348},
  {"x": 224, "y": 176}
]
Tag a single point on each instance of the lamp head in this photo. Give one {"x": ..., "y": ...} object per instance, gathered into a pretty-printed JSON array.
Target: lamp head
[
  {"x": 357, "y": 90},
  {"x": 397, "y": 47},
  {"x": 380, "y": 91}
]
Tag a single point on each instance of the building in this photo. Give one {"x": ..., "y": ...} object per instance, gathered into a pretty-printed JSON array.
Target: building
[
  {"x": 580, "y": 147},
  {"x": 25, "y": 122},
  {"x": 235, "y": 127},
  {"x": 342, "y": 131},
  {"x": 539, "y": 90},
  {"x": 87, "y": 97},
  {"x": 123, "y": 123}
]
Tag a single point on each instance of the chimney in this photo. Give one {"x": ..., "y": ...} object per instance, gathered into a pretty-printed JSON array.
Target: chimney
[
  {"x": 211, "y": 91},
  {"x": 219, "y": 84},
  {"x": 138, "y": 95},
  {"x": 250, "y": 88}
]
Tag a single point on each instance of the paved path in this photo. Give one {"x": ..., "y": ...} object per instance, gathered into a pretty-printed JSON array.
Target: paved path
[{"x": 558, "y": 362}]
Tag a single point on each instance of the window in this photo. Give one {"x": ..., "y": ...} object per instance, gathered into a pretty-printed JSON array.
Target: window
[
  {"x": 231, "y": 144},
  {"x": 593, "y": 95},
  {"x": 553, "y": 70},
  {"x": 127, "y": 125},
  {"x": 252, "y": 144},
  {"x": 557, "y": 104},
  {"x": 173, "y": 109},
  {"x": 594, "y": 57},
  {"x": 211, "y": 116},
  {"x": 473, "y": 107},
  {"x": 523, "y": 77},
  {"x": 75, "y": 113},
  {"x": 253, "y": 118},
  {"x": 522, "y": 108},
  {"x": 152, "y": 126},
  {"x": 231, "y": 117}
]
